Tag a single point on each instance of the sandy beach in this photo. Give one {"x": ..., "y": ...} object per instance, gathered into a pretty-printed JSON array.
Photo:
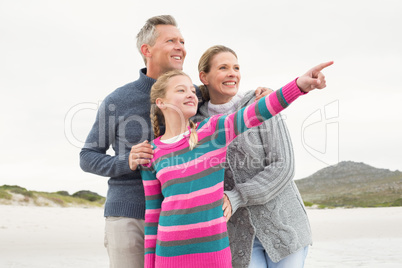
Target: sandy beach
[{"x": 73, "y": 237}]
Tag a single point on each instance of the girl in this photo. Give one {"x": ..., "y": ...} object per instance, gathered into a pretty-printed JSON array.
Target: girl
[{"x": 183, "y": 183}]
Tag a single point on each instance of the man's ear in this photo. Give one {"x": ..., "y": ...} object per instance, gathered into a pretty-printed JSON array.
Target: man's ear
[
  {"x": 203, "y": 78},
  {"x": 159, "y": 102},
  {"x": 145, "y": 50}
]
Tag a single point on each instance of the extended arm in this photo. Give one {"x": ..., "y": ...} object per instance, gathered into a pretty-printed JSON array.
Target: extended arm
[{"x": 254, "y": 114}]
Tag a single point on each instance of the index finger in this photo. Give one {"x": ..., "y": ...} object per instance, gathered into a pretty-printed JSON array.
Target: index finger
[
  {"x": 321, "y": 66},
  {"x": 141, "y": 148}
]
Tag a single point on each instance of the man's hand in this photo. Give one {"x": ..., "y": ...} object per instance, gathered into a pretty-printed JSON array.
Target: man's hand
[
  {"x": 140, "y": 154},
  {"x": 313, "y": 78},
  {"x": 227, "y": 208}
]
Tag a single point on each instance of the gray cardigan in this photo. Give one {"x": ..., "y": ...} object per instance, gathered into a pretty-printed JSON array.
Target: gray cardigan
[{"x": 259, "y": 183}]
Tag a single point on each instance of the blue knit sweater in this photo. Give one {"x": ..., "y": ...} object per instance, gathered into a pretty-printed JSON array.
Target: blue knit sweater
[{"x": 122, "y": 121}]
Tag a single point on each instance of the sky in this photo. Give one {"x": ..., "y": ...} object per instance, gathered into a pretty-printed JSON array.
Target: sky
[{"x": 60, "y": 58}]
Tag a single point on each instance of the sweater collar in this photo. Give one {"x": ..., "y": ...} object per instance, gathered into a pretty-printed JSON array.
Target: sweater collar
[
  {"x": 225, "y": 108},
  {"x": 145, "y": 82},
  {"x": 248, "y": 96}
]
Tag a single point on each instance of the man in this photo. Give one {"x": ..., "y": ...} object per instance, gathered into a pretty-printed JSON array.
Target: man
[{"x": 122, "y": 121}]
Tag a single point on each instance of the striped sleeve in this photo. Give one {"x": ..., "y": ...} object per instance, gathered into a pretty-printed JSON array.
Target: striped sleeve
[
  {"x": 153, "y": 201},
  {"x": 256, "y": 113}
]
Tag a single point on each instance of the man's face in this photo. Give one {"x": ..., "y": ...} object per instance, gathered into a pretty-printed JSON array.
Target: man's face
[{"x": 168, "y": 52}]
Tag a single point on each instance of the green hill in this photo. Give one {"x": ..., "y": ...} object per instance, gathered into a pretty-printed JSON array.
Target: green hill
[
  {"x": 347, "y": 184},
  {"x": 351, "y": 184}
]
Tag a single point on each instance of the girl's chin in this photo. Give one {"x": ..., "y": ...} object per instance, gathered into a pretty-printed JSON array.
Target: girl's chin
[{"x": 190, "y": 114}]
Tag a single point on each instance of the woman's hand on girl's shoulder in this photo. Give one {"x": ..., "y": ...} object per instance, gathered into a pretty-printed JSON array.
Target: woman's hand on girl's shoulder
[{"x": 261, "y": 92}]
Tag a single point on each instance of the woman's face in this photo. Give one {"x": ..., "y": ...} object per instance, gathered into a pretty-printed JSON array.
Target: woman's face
[{"x": 223, "y": 78}]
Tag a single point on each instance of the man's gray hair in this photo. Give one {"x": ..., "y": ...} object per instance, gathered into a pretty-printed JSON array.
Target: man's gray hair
[{"x": 148, "y": 33}]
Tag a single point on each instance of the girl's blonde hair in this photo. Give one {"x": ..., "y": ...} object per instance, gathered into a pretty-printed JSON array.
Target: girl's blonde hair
[
  {"x": 204, "y": 65},
  {"x": 158, "y": 90}
]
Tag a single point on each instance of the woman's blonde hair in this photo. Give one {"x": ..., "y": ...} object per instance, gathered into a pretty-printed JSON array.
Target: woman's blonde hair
[
  {"x": 204, "y": 64},
  {"x": 158, "y": 90}
]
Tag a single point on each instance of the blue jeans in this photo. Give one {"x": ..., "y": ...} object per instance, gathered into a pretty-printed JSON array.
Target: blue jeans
[{"x": 260, "y": 259}]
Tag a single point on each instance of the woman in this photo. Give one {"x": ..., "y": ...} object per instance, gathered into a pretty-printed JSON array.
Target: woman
[
  {"x": 183, "y": 183},
  {"x": 269, "y": 226}
]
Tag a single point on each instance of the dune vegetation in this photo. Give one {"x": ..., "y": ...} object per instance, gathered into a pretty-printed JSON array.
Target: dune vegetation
[{"x": 16, "y": 195}]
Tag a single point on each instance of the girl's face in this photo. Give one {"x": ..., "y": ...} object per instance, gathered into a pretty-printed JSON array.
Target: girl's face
[
  {"x": 223, "y": 78},
  {"x": 180, "y": 99}
]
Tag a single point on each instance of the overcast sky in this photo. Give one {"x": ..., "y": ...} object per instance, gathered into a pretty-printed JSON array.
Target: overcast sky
[{"x": 59, "y": 59}]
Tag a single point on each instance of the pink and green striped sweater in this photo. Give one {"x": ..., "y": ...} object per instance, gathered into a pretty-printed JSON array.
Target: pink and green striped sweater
[{"x": 184, "y": 222}]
